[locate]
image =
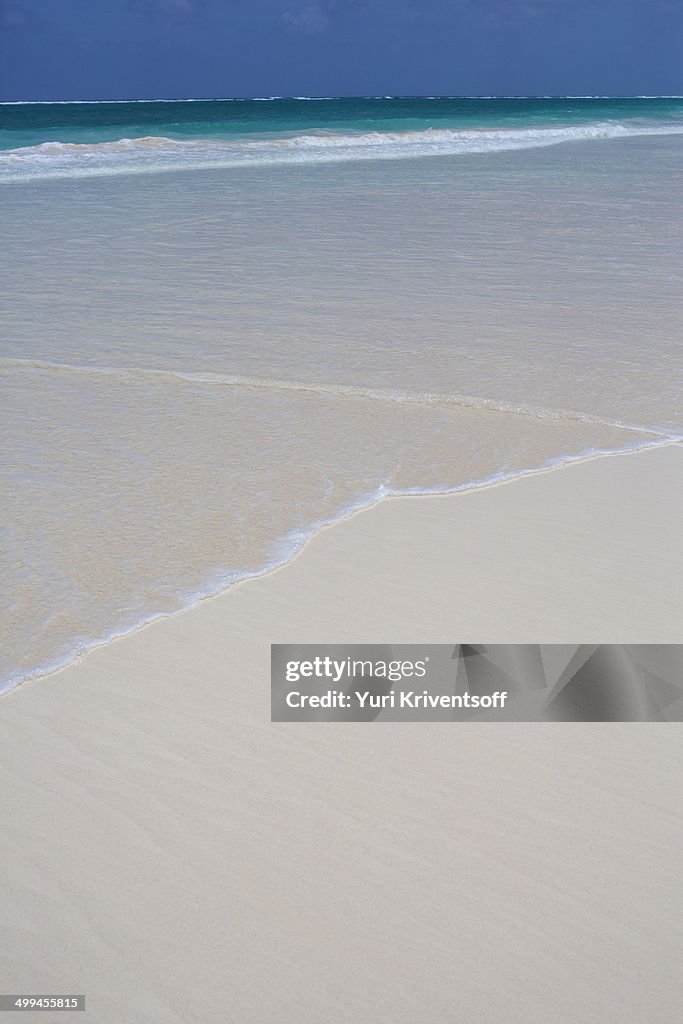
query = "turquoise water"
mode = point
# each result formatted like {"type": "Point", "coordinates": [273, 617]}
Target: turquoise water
{"type": "Point", "coordinates": [39, 140]}
{"type": "Point", "coordinates": [29, 124]}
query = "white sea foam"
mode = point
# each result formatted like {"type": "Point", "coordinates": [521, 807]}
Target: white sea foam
{"type": "Point", "coordinates": [153, 154]}
{"type": "Point", "coordinates": [287, 547]}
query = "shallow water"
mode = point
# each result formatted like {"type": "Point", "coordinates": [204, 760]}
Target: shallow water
{"type": "Point", "coordinates": [201, 367]}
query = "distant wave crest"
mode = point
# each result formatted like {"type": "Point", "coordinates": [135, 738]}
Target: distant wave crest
{"type": "Point", "coordinates": [153, 154]}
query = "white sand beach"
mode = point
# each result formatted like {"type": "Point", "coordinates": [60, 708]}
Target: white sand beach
{"type": "Point", "coordinates": [178, 858]}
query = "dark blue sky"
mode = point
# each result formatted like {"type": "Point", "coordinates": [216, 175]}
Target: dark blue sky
{"type": "Point", "coordinates": [107, 49]}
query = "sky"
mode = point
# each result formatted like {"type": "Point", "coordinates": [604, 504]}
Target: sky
{"type": "Point", "coordinates": [135, 49]}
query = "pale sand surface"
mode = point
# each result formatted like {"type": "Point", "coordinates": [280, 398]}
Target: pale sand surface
{"type": "Point", "coordinates": [178, 858]}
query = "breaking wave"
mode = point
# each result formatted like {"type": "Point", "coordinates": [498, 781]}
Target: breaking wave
{"type": "Point", "coordinates": [153, 154]}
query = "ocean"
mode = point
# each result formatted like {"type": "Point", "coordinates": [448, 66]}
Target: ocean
{"type": "Point", "coordinates": [48, 140]}
{"type": "Point", "coordinates": [227, 323]}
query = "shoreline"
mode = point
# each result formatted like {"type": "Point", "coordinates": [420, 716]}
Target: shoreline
{"type": "Point", "coordinates": [169, 840]}
{"type": "Point", "coordinates": [317, 529]}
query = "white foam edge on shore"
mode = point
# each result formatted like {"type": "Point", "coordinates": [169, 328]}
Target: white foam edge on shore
{"type": "Point", "coordinates": [287, 548]}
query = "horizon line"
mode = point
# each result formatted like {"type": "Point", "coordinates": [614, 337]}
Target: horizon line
{"type": "Point", "coordinates": [397, 96]}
